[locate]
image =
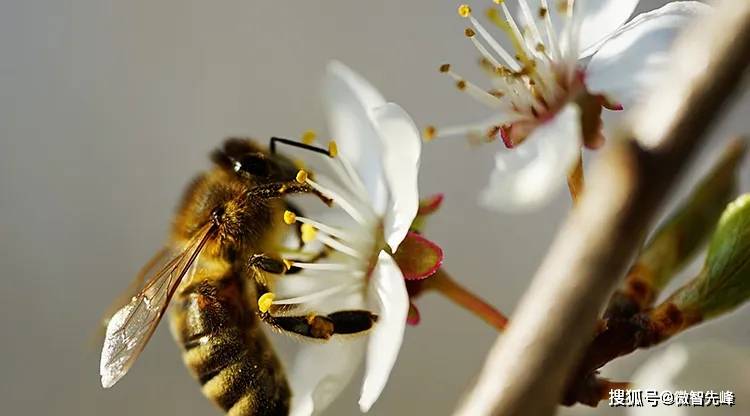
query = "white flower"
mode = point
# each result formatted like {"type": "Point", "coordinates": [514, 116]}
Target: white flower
{"type": "Point", "coordinates": [374, 188]}
{"type": "Point", "coordinates": [700, 367]}
{"type": "Point", "coordinates": [569, 62]}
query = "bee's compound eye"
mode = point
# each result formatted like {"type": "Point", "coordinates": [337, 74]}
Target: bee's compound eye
{"type": "Point", "coordinates": [253, 164]}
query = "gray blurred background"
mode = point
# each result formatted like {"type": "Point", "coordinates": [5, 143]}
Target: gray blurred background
{"type": "Point", "coordinates": [107, 110]}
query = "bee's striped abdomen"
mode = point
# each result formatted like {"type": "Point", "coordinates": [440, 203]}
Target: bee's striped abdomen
{"type": "Point", "coordinates": [227, 351]}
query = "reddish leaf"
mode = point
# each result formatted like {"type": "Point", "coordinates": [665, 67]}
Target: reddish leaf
{"type": "Point", "coordinates": [418, 257]}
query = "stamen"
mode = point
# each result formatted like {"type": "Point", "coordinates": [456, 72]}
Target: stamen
{"type": "Point", "coordinates": [287, 263]}
{"type": "Point", "coordinates": [301, 176]}
{"type": "Point", "coordinates": [339, 246]}
{"type": "Point", "coordinates": [464, 10]}
{"type": "Point", "coordinates": [333, 149]}
{"type": "Point", "coordinates": [308, 137]}
{"type": "Point", "coordinates": [533, 29]}
{"type": "Point", "coordinates": [265, 302]}
{"type": "Point", "coordinates": [470, 33]}
{"type": "Point", "coordinates": [308, 233]}
{"type": "Point", "coordinates": [550, 30]}
{"type": "Point", "coordinates": [331, 267]}
{"type": "Point", "coordinates": [316, 295]}
{"type": "Point", "coordinates": [289, 217]}
{"type": "Point", "coordinates": [496, 47]}
{"type": "Point", "coordinates": [338, 199]}
{"type": "Point", "coordinates": [429, 133]}
{"type": "Point", "coordinates": [475, 92]}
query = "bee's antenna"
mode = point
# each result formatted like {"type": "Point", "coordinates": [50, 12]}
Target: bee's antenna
{"type": "Point", "coordinates": [294, 143]}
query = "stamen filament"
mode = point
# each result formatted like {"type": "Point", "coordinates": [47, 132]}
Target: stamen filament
{"type": "Point", "coordinates": [339, 246]}
{"type": "Point", "coordinates": [339, 200]}
{"type": "Point", "coordinates": [316, 295]}
{"type": "Point", "coordinates": [336, 232]}
{"type": "Point", "coordinates": [507, 57]}
{"type": "Point", "coordinates": [331, 267]}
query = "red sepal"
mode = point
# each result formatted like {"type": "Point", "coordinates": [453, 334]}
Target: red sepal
{"type": "Point", "coordinates": [418, 257]}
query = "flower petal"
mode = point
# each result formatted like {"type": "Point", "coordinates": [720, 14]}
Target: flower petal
{"type": "Point", "coordinates": [321, 372]}
{"type": "Point", "coordinates": [389, 290]}
{"type": "Point", "coordinates": [350, 101]}
{"type": "Point", "coordinates": [418, 257]}
{"type": "Point", "coordinates": [528, 175]}
{"type": "Point", "coordinates": [630, 62]}
{"type": "Point", "coordinates": [601, 18]}
{"type": "Point", "coordinates": [401, 150]}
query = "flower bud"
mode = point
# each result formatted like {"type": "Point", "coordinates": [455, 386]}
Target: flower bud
{"type": "Point", "coordinates": [675, 243]}
{"type": "Point", "coordinates": [724, 282]}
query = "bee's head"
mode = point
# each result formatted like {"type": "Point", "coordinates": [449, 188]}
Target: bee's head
{"type": "Point", "coordinates": [251, 163]}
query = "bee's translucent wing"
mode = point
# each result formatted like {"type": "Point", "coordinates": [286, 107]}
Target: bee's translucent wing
{"type": "Point", "coordinates": [155, 264]}
{"type": "Point", "coordinates": [131, 327]}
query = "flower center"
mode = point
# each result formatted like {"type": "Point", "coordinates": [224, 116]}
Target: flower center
{"type": "Point", "coordinates": [531, 82]}
{"type": "Point", "coordinates": [350, 251]}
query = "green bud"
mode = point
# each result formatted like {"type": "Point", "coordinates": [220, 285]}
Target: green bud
{"type": "Point", "coordinates": [724, 282]}
{"type": "Point", "coordinates": [676, 242]}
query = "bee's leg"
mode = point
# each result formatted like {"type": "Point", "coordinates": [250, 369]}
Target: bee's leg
{"type": "Point", "coordinates": [259, 263]}
{"type": "Point", "coordinates": [280, 190]}
{"type": "Point", "coordinates": [323, 326]}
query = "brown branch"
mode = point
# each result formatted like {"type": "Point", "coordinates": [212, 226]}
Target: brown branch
{"type": "Point", "coordinates": [528, 366]}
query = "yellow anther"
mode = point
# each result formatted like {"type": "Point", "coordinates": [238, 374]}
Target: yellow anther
{"type": "Point", "coordinates": [290, 217]}
{"type": "Point", "coordinates": [265, 302]}
{"type": "Point", "coordinates": [429, 133]}
{"type": "Point", "coordinates": [461, 84]}
{"type": "Point", "coordinates": [464, 10]}
{"type": "Point", "coordinates": [469, 32]}
{"type": "Point", "coordinates": [445, 68]}
{"type": "Point", "coordinates": [333, 148]}
{"type": "Point", "coordinates": [301, 176]}
{"type": "Point", "coordinates": [499, 1]}
{"type": "Point", "coordinates": [308, 233]}
{"type": "Point", "coordinates": [287, 263]}
{"type": "Point", "coordinates": [308, 137]}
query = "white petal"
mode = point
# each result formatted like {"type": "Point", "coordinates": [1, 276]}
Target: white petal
{"type": "Point", "coordinates": [402, 146]}
{"type": "Point", "coordinates": [321, 372]}
{"type": "Point", "coordinates": [630, 62]}
{"type": "Point", "coordinates": [389, 290]}
{"type": "Point", "coordinates": [698, 367]}
{"type": "Point", "coordinates": [529, 175]}
{"type": "Point", "coordinates": [601, 18]}
{"type": "Point", "coordinates": [350, 101]}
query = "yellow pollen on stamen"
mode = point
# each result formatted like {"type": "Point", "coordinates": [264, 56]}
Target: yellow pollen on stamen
{"type": "Point", "coordinates": [461, 84]}
{"type": "Point", "coordinates": [464, 10]}
{"type": "Point", "coordinates": [301, 176]}
{"type": "Point", "coordinates": [308, 137]}
{"type": "Point", "coordinates": [287, 263]}
{"type": "Point", "coordinates": [333, 148]}
{"type": "Point", "coordinates": [498, 1]}
{"type": "Point", "coordinates": [265, 302]}
{"type": "Point", "coordinates": [429, 133]}
{"type": "Point", "coordinates": [308, 233]}
{"type": "Point", "coordinates": [290, 217]}
{"type": "Point", "coordinates": [445, 68]}
{"type": "Point", "coordinates": [469, 32]}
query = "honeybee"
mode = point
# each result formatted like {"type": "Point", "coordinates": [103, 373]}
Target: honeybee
{"type": "Point", "coordinates": [226, 238]}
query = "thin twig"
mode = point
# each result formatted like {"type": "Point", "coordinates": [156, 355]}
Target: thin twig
{"type": "Point", "coordinates": [528, 366]}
